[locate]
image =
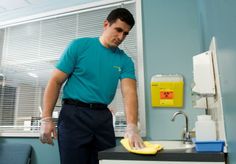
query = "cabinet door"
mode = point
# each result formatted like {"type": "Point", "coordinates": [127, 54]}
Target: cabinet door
{"type": "Point", "coordinates": [153, 162]}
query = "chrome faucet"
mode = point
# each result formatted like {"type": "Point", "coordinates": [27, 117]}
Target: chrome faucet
{"type": "Point", "coordinates": [186, 134]}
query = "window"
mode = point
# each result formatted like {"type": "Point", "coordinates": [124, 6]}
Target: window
{"type": "Point", "coordinates": [28, 53]}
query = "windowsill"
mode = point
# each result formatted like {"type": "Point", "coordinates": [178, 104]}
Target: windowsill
{"type": "Point", "coordinates": [9, 134]}
{"type": "Point", "coordinates": [36, 134]}
{"type": "Point", "coordinates": [19, 134]}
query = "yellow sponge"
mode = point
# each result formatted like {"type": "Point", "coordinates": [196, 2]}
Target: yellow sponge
{"type": "Point", "coordinates": [148, 149]}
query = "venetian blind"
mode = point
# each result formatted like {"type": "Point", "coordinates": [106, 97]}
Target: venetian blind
{"type": "Point", "coordinates": [29, 53]}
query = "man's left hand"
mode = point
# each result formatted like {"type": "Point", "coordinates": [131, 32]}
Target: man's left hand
{"type": "Point", "coordinates": [132, 134]}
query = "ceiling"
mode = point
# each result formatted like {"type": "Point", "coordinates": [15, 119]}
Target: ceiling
{"type": "Point", "coordinates": [14, 9]}
{"type": "Point", "coordinates": [12, 6]}
{"type": "Point", "coordinates": [9, 5]}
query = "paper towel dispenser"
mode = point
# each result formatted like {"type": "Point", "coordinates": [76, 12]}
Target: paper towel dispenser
{"type": "Point", "coordinates": [203, 74]}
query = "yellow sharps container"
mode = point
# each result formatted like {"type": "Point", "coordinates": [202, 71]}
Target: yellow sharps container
{"type": "Point", "coordinates": [167, 90]}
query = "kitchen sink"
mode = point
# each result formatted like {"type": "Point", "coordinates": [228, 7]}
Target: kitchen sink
{"type": "Point", "coordinates": [173, 145]}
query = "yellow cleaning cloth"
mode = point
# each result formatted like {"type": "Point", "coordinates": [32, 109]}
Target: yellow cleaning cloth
{"type": "Point", "coordinates": [148, 149]}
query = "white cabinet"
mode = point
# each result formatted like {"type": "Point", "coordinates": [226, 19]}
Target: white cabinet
{"type": "Point", "coordinates": [153, 162]}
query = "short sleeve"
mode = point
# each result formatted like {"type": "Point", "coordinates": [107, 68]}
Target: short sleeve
{"type": "Point", "coordinates": [68, 58]}
{"type": "Point", "coordinates": [128, 70]}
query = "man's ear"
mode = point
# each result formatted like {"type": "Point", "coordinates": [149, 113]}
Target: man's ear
{"type": "Point", "coordinates": [105, 24]}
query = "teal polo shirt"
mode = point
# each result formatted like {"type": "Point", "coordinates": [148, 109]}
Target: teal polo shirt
{"type": "Point", "coordinates": [94, 70]}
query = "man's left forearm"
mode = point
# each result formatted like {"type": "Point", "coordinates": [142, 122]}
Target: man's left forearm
{"type": "Point", "coordinates": [129, 92]}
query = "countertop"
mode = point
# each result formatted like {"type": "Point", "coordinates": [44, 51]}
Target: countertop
{"type": "Point", "coordinates": [120, 153]}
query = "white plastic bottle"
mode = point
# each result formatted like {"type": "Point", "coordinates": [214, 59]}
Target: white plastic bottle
{"type": "Point", "coordinates": [205, 128]}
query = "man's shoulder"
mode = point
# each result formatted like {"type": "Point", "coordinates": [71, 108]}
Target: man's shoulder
{"type": "Point", "coordinates": [122, 53]}
{"type": "Point", "coordinates": [124, 56]}
{"type": "Point", "coordinates": [81, 44]}
{"type": "Point", "coordinates": [84, 40]}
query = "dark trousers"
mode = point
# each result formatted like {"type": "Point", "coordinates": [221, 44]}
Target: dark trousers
{"type": "Point", "coordinates": [82, 132]}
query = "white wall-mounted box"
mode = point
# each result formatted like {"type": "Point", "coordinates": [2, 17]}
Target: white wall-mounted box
{"type": "Point", "coordinates": [203, 74]}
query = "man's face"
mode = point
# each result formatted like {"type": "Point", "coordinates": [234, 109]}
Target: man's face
{"type": "Point", "coordinates": [115, 33]}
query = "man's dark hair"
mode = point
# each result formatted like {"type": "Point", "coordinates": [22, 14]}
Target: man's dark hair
{"type": "Point", "coordinates": [122, 14]}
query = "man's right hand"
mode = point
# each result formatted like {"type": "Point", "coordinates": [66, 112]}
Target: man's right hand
{"type": "Point", "coordinates": [46, 130]}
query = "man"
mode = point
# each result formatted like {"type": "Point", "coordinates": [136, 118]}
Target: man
{"type": "Point", "coordinates": [92, 68]}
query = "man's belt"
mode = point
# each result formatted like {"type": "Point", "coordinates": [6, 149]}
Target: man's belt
{"type": "Point", "coordinates": [83, 104]}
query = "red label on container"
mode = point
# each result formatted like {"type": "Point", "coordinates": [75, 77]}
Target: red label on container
{"type": "Point", "coordinates": [166, 95]}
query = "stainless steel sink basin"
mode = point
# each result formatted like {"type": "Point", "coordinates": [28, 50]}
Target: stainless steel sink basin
{"type": "Point", "coordinates": [169, 145]}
